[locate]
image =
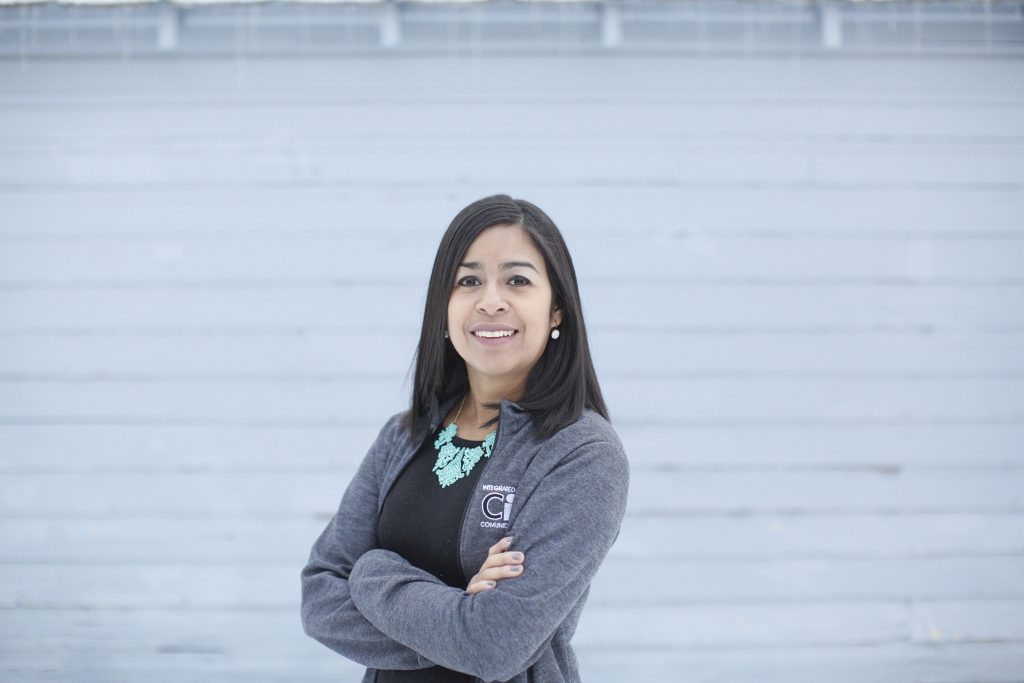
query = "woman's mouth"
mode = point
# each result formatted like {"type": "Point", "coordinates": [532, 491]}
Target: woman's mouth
{"type": "Point", "coordinates": [494, 338]}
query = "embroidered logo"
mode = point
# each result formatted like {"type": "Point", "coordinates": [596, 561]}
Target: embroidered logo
{"type": "Point", "coordinates": [497, 505]}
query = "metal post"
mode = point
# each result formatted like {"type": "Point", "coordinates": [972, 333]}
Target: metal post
{"type": "Point", "coordinates": [830, 17]}
{"type": "Point", "coordinates": [169, 27]}
{"type": "Point", "coordinates": [611, 24]}
{"type": "Point", "coordinates": [390, 25]}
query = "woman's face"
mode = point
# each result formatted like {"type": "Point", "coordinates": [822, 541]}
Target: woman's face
{"type": "Point", "coordinates": [501, 286]}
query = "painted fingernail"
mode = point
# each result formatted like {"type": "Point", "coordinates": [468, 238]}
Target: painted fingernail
{"type": "Point", "coordinates": [517, 556]}
{"type": "Point", "coordinates": [492, 584]}
{"type": "Point", "coordinates": [516, 568]}
{"type": "Point", "coordinates": [508, 539]}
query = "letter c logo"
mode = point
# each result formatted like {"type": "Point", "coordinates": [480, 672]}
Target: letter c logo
{"type": "Point", "coordinates": [486, 504]}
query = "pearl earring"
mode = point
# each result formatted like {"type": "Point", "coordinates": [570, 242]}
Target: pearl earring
{"type": "Point", "coordinates": [554, 333]}
{"type": "Point", "coordinates": [446, 334]}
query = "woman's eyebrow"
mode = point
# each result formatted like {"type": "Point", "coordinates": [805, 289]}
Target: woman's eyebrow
{"type": "Point", "coordinates": [474, 265]}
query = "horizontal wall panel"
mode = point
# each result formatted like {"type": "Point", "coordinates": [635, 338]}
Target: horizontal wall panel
{"type": "Point", "coordinates": [651, 493]}
{"type": "Point", "coordinates": [241, 217]}
{"type": "Point", "coordinates": [365, 305]}
{"type": "Point", "coordinates": [129, 633]}
{"type": "Point", "coordinates": [687, 353]}
{"type": "Point", "coordinates": [703, 257]}
{"type": "Point", "coordinates": [883, 446]}
{"type": "Point", "coordinates": [667, 400]}
{"type": "Point", "coordinates": [579, 98]}
{"type": "Point", "coordinates": [658, 161]}
{"type": "Point", "coordinates": [759, 538]}
{"type": "Point", "coordinates": [284, 658]}
{"type": "Point", "coordinates": [870, 661]}
{"type": "Point", "coordinates": [676, 582]}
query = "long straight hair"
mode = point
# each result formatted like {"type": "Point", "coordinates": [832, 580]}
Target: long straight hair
{"type": "Point", "coordinates": [562, 382]}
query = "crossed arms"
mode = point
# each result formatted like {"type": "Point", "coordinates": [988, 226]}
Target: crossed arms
{"type": "Point", "coordinates": [377, 609]}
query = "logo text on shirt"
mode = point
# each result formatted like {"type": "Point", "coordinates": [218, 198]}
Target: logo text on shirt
{"type": "Point", "coordinates": [497, 505]}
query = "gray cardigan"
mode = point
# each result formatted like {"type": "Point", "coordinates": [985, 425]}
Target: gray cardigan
{"type": "Point", "coordinates": [563, 500]}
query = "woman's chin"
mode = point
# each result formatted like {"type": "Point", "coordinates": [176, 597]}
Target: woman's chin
{"type": "Point", "coordinates": [485, 370]}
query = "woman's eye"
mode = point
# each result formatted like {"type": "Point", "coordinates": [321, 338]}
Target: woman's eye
{"type": "Point", "coordinates": [516, 281]}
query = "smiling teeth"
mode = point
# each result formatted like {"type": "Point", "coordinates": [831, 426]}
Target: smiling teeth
{"type": "Point", "coordinates": [499, 333]}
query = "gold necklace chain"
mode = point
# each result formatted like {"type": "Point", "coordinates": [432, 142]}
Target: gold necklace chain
{"type": "Point", "coordinates": [456, 418]}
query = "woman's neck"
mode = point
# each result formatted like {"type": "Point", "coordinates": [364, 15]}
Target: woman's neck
{"type": "Point", "coordinates": [474, 415]}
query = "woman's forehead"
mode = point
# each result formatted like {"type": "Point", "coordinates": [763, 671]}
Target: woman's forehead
{"type": "Point", "coordinates": [500, 244]}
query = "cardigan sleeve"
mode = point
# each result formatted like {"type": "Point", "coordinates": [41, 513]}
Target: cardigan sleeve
{"type": "Point", "coordinates": [328, 613]}
{"type": "Point", "coordinates": [565, 529]}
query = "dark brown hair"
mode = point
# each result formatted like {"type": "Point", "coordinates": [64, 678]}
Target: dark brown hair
{"type": "Point", "coordinates": [562, 382]}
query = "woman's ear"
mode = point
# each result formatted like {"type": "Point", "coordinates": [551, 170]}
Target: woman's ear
{"type": "Point", "coordinates": [556, 317]}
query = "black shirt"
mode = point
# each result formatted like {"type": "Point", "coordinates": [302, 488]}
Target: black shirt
{"type": "Point", "coordinates": [420, 521]}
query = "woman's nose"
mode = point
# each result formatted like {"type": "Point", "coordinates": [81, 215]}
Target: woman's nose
{"type": "Point", "coordinates": [491, 299]}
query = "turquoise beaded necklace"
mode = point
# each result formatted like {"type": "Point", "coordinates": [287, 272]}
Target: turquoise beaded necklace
{"type": "Point", "coordinates": [455, 462]}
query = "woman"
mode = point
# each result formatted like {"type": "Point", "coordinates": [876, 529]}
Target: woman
{"type": "Point", "coordinates": [504, 469]}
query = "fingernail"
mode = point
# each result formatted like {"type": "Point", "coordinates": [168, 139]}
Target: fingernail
{"type": "Point", "coordinates": [492, 584]}
{"type": "Point", "coordinates": [508, 539]}
{"type": "Point", "coordinates": [517, 556]}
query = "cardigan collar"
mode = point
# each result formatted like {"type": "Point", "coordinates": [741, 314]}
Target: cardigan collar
{"type": "Point", "coordinates": [510, 414]}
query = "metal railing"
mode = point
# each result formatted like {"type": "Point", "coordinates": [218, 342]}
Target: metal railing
{"type": "Point", "coordinates": [148, 28]}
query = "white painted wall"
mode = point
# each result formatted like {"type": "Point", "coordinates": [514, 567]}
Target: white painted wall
{"type": "Point", "coordinates": [802, 279]}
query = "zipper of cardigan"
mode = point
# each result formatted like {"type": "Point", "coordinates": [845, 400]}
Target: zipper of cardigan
{"type": "Point", "coordinates": [469, 501]}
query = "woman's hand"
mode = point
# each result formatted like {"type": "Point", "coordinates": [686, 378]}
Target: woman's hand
{"type": "Point", "coordinates": [500, 564]}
